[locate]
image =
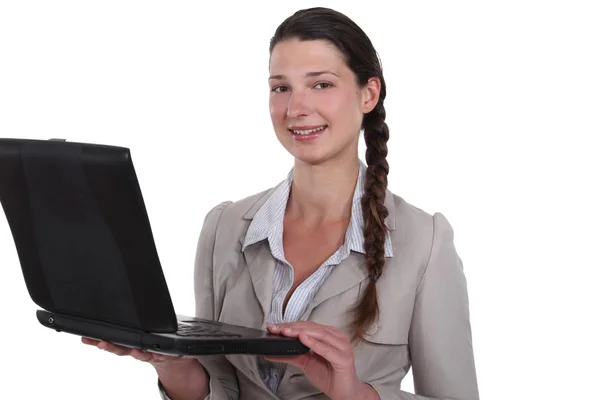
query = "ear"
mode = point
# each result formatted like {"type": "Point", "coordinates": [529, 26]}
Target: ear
{"type": "Point", "coordinates": [370, 94]}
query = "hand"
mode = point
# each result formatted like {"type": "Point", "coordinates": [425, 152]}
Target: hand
{"type": "Point", "coordinates": [182, 377]}
{"type": "Point", "coordinates": [329, 366]}
{"type": "Point", "coordinates": [156, 360]}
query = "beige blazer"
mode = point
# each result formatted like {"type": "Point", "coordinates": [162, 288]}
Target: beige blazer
{"type": "Point", "coordinates": [424, 320]}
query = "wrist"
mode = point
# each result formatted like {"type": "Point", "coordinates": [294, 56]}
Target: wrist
{"type": "Point", "coordinates": [367, 392]}
{"type": "Point", "coordinates": [184, 381]}
{"type": "Point", "coordinates": [361, 391]}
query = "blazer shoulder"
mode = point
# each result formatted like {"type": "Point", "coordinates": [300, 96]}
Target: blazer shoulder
{"type": "Point", "coordinates": [417, 229]}
{"type": "Point", "coordinates": [239, 209]}
{"type": "Point", "coordinates": [418, 233]}
{"type": "Point", "coordinates": [411, 218]}
{"type": "Point", "coordinates": [417, 220]}
{"type": "Point", "coordinates": [233, 217]}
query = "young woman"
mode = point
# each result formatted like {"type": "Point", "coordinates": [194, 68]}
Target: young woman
{"type": "Point", "coordinates": [371, 284]}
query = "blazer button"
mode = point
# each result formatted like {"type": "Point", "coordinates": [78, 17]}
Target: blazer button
{"type": "Point", "coordinates": [372, 329]}
{"type": "Point", "coordinates": [296, 378]}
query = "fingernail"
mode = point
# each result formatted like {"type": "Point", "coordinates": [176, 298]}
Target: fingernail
{"type": "Point", "coordinates": [288, 330]}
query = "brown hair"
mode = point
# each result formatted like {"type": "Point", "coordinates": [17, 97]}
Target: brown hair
{"type": "Point", "coordinates": [325, 24]}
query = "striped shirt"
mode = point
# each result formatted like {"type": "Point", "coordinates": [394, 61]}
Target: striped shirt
{"type": "Point", "coordinates": [267, 224]}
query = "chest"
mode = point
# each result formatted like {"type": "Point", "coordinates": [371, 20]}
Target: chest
{"type": "Point", "coordinates": [307, 248]}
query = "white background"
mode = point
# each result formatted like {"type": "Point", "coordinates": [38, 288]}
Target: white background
{"type": "Point", "coordinates": [494, 115]}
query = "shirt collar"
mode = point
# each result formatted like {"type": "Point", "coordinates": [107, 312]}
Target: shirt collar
{"type": "Point", "coordinates": [268, 221]}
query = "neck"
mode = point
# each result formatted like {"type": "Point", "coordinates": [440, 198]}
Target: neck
{"type": "Point", "coordinates": [322, 194]}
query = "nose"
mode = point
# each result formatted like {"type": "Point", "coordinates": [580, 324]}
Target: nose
{"type": "Point", "coordinates": [297, 105]}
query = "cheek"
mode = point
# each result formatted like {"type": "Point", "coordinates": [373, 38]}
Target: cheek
{"type": "Point", "coordinates": [343, 109]}
{"type": "Point", "coordinates": [277, 108]}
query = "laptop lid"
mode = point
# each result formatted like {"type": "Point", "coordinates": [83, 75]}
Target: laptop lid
{"type": "Point", "coordinates": [82, 233]}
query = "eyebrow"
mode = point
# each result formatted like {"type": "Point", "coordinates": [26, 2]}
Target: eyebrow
{"type": "Point", "coordinates": [308, 75]}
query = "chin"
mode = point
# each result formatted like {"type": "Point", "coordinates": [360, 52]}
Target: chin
{"type": "Point", "coordinates": [316, 153]}
{"type": "Point", "coordinates": [313, 157]}
{"type": "Point", "coordinates": [310, 161]}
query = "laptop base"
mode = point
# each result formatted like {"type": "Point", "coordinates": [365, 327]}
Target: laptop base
{"type": "Point", "coordinates": [237, 340]}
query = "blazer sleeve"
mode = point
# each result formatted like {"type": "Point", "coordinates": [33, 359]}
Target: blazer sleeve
{"type": "Point", "coordinates": [223, 383]}
{"type": "Point", "coordinates": [440, 340]}
{"type": "Point", "coordinates": [165, 396]}
{"type": "Point", "coordinates": [222, 375]}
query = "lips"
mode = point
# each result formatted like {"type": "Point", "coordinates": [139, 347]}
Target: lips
{"type": "Point", "coordinates": [307, 130]}
{"type": "Point", "coordinates": [307, 135]}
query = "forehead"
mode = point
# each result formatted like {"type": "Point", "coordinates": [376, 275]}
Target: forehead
{"type": "Point", "coordinates": [294, 55]}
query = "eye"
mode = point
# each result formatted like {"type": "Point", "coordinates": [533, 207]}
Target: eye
{"type": "Point", "coordinates": [279, 89]}
{"type": "Point", "coordinates": [323, 85]}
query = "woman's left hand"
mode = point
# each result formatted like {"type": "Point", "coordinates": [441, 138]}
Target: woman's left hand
{"type": "Point", "coordinates": [329, 366]}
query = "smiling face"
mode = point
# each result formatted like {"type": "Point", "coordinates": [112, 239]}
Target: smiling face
{"type": "Point", "coordinates": [315, 102]}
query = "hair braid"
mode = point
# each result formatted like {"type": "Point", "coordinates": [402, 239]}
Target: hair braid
{"type": "Point", "coordinates": [374, 214]}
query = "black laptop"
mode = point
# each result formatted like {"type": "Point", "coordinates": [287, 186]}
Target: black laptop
{"type": "Point", "coordinates": [89, 259]}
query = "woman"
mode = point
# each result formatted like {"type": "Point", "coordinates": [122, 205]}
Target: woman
{"type": "Point", "coordinates": [370, 283]}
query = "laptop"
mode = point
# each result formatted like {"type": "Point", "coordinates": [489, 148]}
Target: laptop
{"type": "Point", "coordinates": [87, 253]}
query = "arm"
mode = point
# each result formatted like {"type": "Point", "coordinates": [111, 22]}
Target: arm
{"type": "Point", "coordinates": [186, 383]}
{"type": "Point", "coordinates": [222, 376]}
{"type": "Point", "coordinates": [440, 335]}
{"type": "Point", "coordinates": [220, 373]}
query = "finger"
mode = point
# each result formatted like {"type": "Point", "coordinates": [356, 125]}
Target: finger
{"type": "Point", "coordinates": [163, 357]}
{"type": "Point", "coordinates": [118, 350]}
{"type": "Point", "coordinates": [297, 324]}
{"type": "Point", "coordinates": [141, 355]}
{"type": "Point", "coordinates": [334, 350]}
{"type": "Point", "coordinates": [302, 325]}
{"type": "Point", "coordinates": [274, 328]}
{"type": "Point", "coordinates": [160, 357]}
{"type": "Point", "coordinates": [89, 342]}
{"type": "Point", "coordinates": [334, 337]}
{"type": "Point", "coordinates": [336, 357]}
{"type": "Point", "coordinates": [287, 328]}
{"type": "Point", "coordinates": [336, 332]}
{"type": "Point", "coordinates": [341, 344]}
{"type": "Point", "coordinates": [277, 328]}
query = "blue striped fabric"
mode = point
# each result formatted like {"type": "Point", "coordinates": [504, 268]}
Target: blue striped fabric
{"type": "Point", "coordinates": [267, 224]}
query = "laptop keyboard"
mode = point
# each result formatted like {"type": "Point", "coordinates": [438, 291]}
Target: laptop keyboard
{"type": "Point", "coordinates": [198, 330]}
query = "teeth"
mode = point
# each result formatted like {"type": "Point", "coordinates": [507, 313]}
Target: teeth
{"type": "Point", "coordinates": [308, 131]}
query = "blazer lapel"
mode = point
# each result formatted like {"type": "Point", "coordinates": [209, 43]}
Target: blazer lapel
{"type": "Point", "coordinates": [261, 266]}
{"type": "Point", "coordinates": [344, 276]}
{"type": "Point", "coordinates": [260, 262]}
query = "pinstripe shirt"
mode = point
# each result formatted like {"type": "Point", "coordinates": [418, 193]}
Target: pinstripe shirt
{"type": "Point", "coordinates": [267, 224]}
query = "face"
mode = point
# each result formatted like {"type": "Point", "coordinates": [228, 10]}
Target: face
{"type": "Point", "coordinates": [315, 102]}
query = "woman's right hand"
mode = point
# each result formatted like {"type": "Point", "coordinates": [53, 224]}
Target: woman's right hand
{"type": "Point", "coordinates": [182, 377]}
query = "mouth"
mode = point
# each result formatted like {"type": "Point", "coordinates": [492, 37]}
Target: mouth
{"type": "Point", "coordinates": [306, 131]}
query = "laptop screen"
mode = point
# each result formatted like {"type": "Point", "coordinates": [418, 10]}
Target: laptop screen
{"type": "Point", "coordinates": [82, 233]}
